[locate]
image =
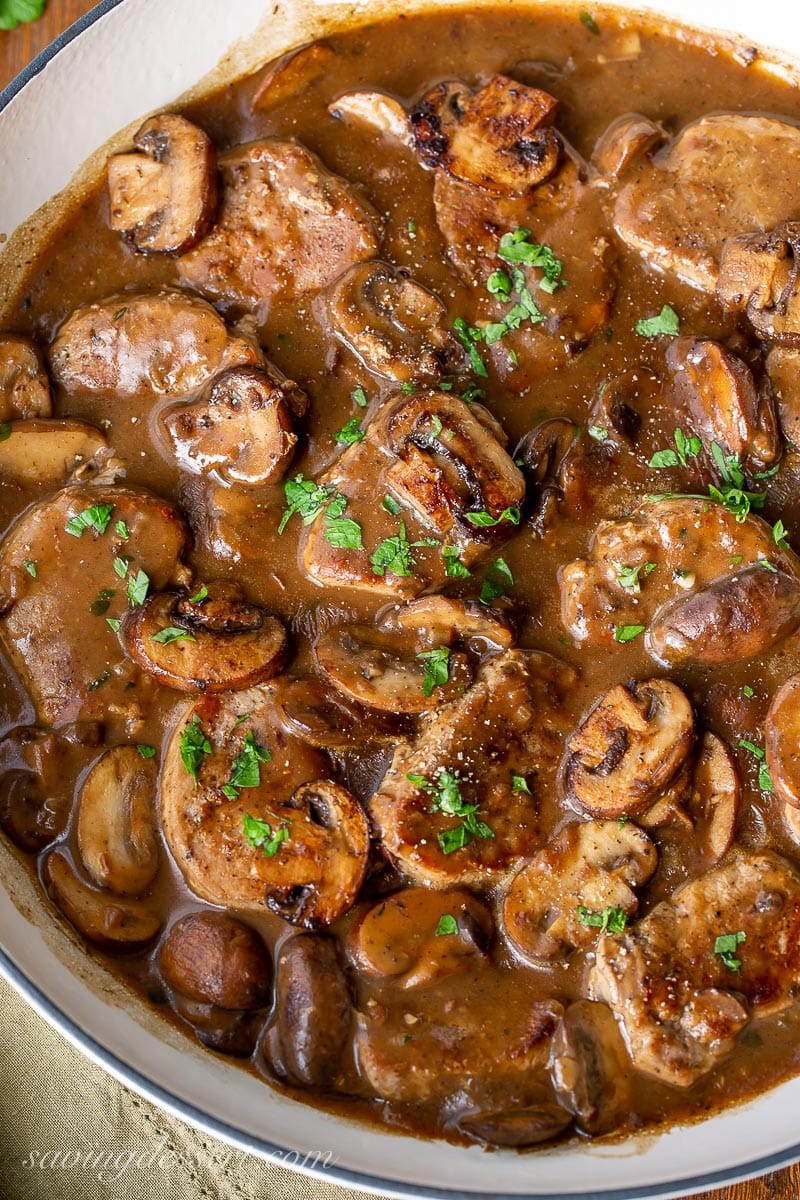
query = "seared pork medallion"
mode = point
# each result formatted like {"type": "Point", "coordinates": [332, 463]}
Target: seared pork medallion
{"type": "Point", "coordinates": [400, 575]}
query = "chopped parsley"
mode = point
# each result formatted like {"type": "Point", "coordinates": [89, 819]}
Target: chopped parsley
{"type": "Point", "coordinates": [14, 11]}
{"type": "Point", "coordinates": [598, 432]}
{"type": "Point", "coordinates": [497, 582]}
{"type": "Point", "coordinates": [453, 566]}
{"type": "Point", "coordinates": [684, 448]}
{"type": "Point", "coordinates": [5, 431]}
{"type": "Point", "coordinates": [100, 605]}
{"type": "Point", "coordinates": [726, 945]}
{"type": "Point", "coordinates": [520, 784]}
{"type": "Point", "coordinates": [394, 554]}
{"type": "Point", "coordinates": [305, 497]}
{"type": "Point", "coordinates": [101, 679]}
{"type": "Point", "coordinates": [485, 520]}
{"type": "Point", "coordinates": [588, 20]}
{"type": "Point", "coordinates": [468, 335]}
{"type": "Point", "coordinates": [779, 535]}
{"type": "Point", "coordinates": [246, 767]}
{"type": "Point", "coordinates": [121, 565]}
{"type": "Point", "coordinates": [350, 433]}
{"type": "Point", "coordinates": [731, 493]}
{"type": "Point", "coordinates": [113, 623]}
{"type": "Point", "coordinates": [194, 745]}
{"type": "Point", "coordinates": [437, 668]}
{"type": "Point", "coordinates": [666, 324]}
{"type": "Point", "coordinates": [447, 799]}
{"type": "Point", "coordinates": [259, 835]}
{"type": "Point", "coordinates": [31, 567]}
{"type": "Point", "coordinates": [390, 505]}
{"type": "Point", "coordinates": [447, 926]}
{"type": "Point", "coordinates": [172, 633]}
{"type": "Point", "coordinates": [627, 633]}
{"type": "Point", "coordinates": [137, 588]}
{"type": "Point", "coordinates": [341, 532]}
{"type": "Point", "coordinates": [628, 577]}
{"type": "Point", "coordinates": [517, 248]}
{"type": "Point", "coordinates": [359, 396]}
{"type": "Point", "coordinates": [121, 529]}
{"type": "Point", "coordinates": [97, 517]}
{"type": "Point", "coordinates": [748, 691]}
{"type": "Point", "coordinates": [146, 751]}
{"type": "Point", "coordinates": [610, 920]}
{"type": "Point", "coordinates": [764, 777]}
{"type": "Point", "coordinates": [199, 596]}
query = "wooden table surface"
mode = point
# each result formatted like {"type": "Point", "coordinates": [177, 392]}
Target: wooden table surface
{"type": "Point", "coordinates": [16, 49]}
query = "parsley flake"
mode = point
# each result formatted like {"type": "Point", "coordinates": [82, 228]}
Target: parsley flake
{"type": "Point", "coordinates": [628, 577]}
{"type": "Point", "coordinates": [588, 20]}
{"type": "Point", "coordinates": [100, 606]}
{"type": "Point", "coordinates": [516, 247]}
{"type": "Point", "coordinates": [725, 946]}
{"type": "Point", "coordinates": [498, 581]}
{"type": "Point", "coordinates": [453, 566]}
{"type": "Point", "coordinates": [447, 926]}
{"type": "Point", "coordinates": [520, 784]}
{"type": "Point", "coordinates": [447, 799]}
{"type": "Point", "coordinates": [172, 633]}
{"type": "Point", "coordinates": [97, 517]}
{"type": "Point", "coordinates": [359, 396]}
{"type": "Point", "coordinates": [468, 335]}
{"type": "Point", "coordinates": [610, 920]}
{"type": "Point", "coordinates": [137, 588]}
{"type": "Point", "coordinates": [684, 448]}
{"type": "Point", "coordinates": [437, 668]}
{"type": "Point", "coordinates": [343, 533]}
{"type": "Point", "coordinates": [246, 767]}
{"type": "Point", "coordinates": [666, 324]}
{"type": "Point", "coordinates": [194, 745]}
{"type": "Point", "coordinates": [764, 777]}
{"type": "Point", "coordinates": [305, 497]}
{"type": "Point", "coordinates": [31, 567]}
{"type": "Point", "coordinates": [146, 751]}
{"type": "Point", "coordinates": [627, 633]}
{"type": "Point", "coordinates": [259, 835]}
{"type": "Point", "coordinates": [484, 520]}
{"type": "Point", "coordinates": [350, 433]}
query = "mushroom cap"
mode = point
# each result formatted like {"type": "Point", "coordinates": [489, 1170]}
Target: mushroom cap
{"type": "Point", "coordinates": [213, 958]}
{"type": "Point", "coordinates": [313, 1013]}
{"type": "Point", "coordinates": [116, 822]}
{"type": "Point", "coordinates": [110, 921]}
{"type": "Point", "coordinates": [219, 644]}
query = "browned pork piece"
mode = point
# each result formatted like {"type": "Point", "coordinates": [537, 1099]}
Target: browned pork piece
{"type": "Point", "coordinates": [723, 176]}
{"type": "Point", "coordinates": [241, 430]}
{"type": "Point", "coordinates": [680, 994]}
{"type": "Point", "coordinates": [164, 197]}
{"type": "Point", "coordinates": [394, 326]}
{"type": "Point", "coordinates": [584, 871]}
{"type": "Point", "coordinates": [24, 386]}
{"type": "Point", "coordinates": [460, 803]}
{"type": "Point", "coordinates": [760, 276]}
{"type": "Point", "coordinates": [629, 748]}
{"type": "Point", "coordinates": [59, 579]}
{"type": "Point", "coordinates": [287, 226]}
{"type": "Point", "coordinates": [161, 343]}
{"type": "Point", "coordinates": [212, 643]}
{"type": "Point", "coordinates": [696, 583]}
{"type": "Point", "coordinates": [717, 390]}
{"type": "Point", "coordinates": [253, 822]}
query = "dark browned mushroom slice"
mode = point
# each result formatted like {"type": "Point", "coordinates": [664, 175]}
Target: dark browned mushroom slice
{"type": "Point", "coordinates": [673, 207]}
{"type": "Point", "coordinates": [381, 670]}
{"type": "Point", "coordinates": [760, 276]}
{"type": "Point", "coordinates": [499, 138]}
{"type": "Point", "coordinates": [629, 748]}
{"type": "Point", "coordinates": [292, 74]}
{"type": "Point", "coordinates": [678, 1003]}
{"type": "Point", "coordinates": [543, 452]}
{"type": "Point", "coordinates": [782, 741]}
{"type": "Point", "coordinates": [374, 113]}
{"type": "Point", "coordinates": [226, 1030]}
{"type": "Point", "coordinates": [45, 453]}
{"type": "Point", "coordinates": [734, 618]}
{"type": "Point", "coordinates": [518, 1127]}
{"type": "Point", "coordinates": [164, 198]}
{"type": "Point", "coordinates": [417, 936]}
{"type": "Point", "coordinates": [672, 549]}
{"type": "Point", "coordinates": [713, 804]}
{"type": "Point", "coordinates": [35, 766]}
{"type": "Point", "coordinates": [591, 1069]}
{"type": "Point", "coordinates": [240, 431]}
{"type": "Point", "coordinates": [24, 386]}
{"type": "Point", "coordinates": [559, 900]}
{"type": "Point", "coordinates": [287, 226]}
{"type": "Point", "coordinates": [497, 747]}
{"type": "Point", "coordinates": [627, 138]}
{"type": "Point", "coordinates": [252, 821]}
{"type": "Point", "coordinates": [117, 822]}
{"type": "Point", "coordinates": [58, 579]}
{"type": "Point", "coordinates": [449, 467]}
{"type": "Point", "coordinates": [156, 342]}
{"type": "Point", "coordinates": [313, 1015]}
{"type": "Point", "coordinates": [212, 958]}
{"type": "Point", "coordinates": [110, 921]}
{"type": "Point", "coordinates": [438, 620]}
{"type": "Point", "coordinates": [217, 644]}
{"type": "Point", "coordinates": [322, 717]}
{"type": "Point", "coordinates": [717, 389]}
{"type": "Point", "coordinates": [394, 326]}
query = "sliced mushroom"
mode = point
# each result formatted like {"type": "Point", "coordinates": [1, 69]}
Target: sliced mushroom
{"type": "Point", "coordinates": [24, 386]}
{"type": "Point", "coordinates": [519, 1127]}
{"type": "Point", "coordinates": [782, 741]}
{"type": "Point", "coordinates": [438, 620]}
{"type": "Point", "coordinates": [287, 226]}
{"type": "Point", "coordinates": [629, 748]}
{"type": "Point", "coordinates": [760, 276]}
{"type": "Point", "coordinates": [448, 467]}
{"type": "Point", "coordinates": [626, 139]}
{"type": "Point", "coordinates": [417, 936]}
{"type": "Point", "coordinates": [45, 452]}
{"type": "Point", "coordinates": [714, 801]}
{"type": "Point", "coordinates": [107, 920]}
{"type": "Point", "coordinates": [394, 326]}
{"type": "Point", "coordinates": [309, 864]}
{"type": "Point", "coordinates": [733, 618]}
{"type": "Point", "coordinates": [381, 670]}
{"type": "Point", "coordinates": [116, 822]}
{"type": "Point", "coordinates": [544, 451]}
{"type": "Point", "coordinates": [212, 958]}
{"type": "Point", "coordinates": [615, 416]}
{"type": "Point", "coordinates": [591, 1069]}
{"type": "Point", "coordinates": [587, 869]}
{"type": "Point", "coordinates": [154, 343]}
{"type": "Point", "coordinates": [313, 1012]}
{"type": "Point", "coordinates": [241, 431]}
{"type": "Point", "coordinates": [292, 74]}
{"type": "Point", "coordinates": [374, 113]}
{"type": "Point", "coordinates": [724, 405]}
{"type": "Point", "coordinates": [498, 138]}
{"type": "Point", "coordinates": [324, 719]}
{"type": "Point", "coordinates": [38, 769]}
{"type": "Point", "coordinates": [227, 1030]}
{"type": "Point", "coordinates": [164, 198]}
{"type": "Point", "coordinates": [217, 644]}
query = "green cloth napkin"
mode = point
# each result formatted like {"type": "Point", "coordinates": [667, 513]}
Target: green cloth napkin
{"type": "Point", "coordinates": [60, 1115]}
